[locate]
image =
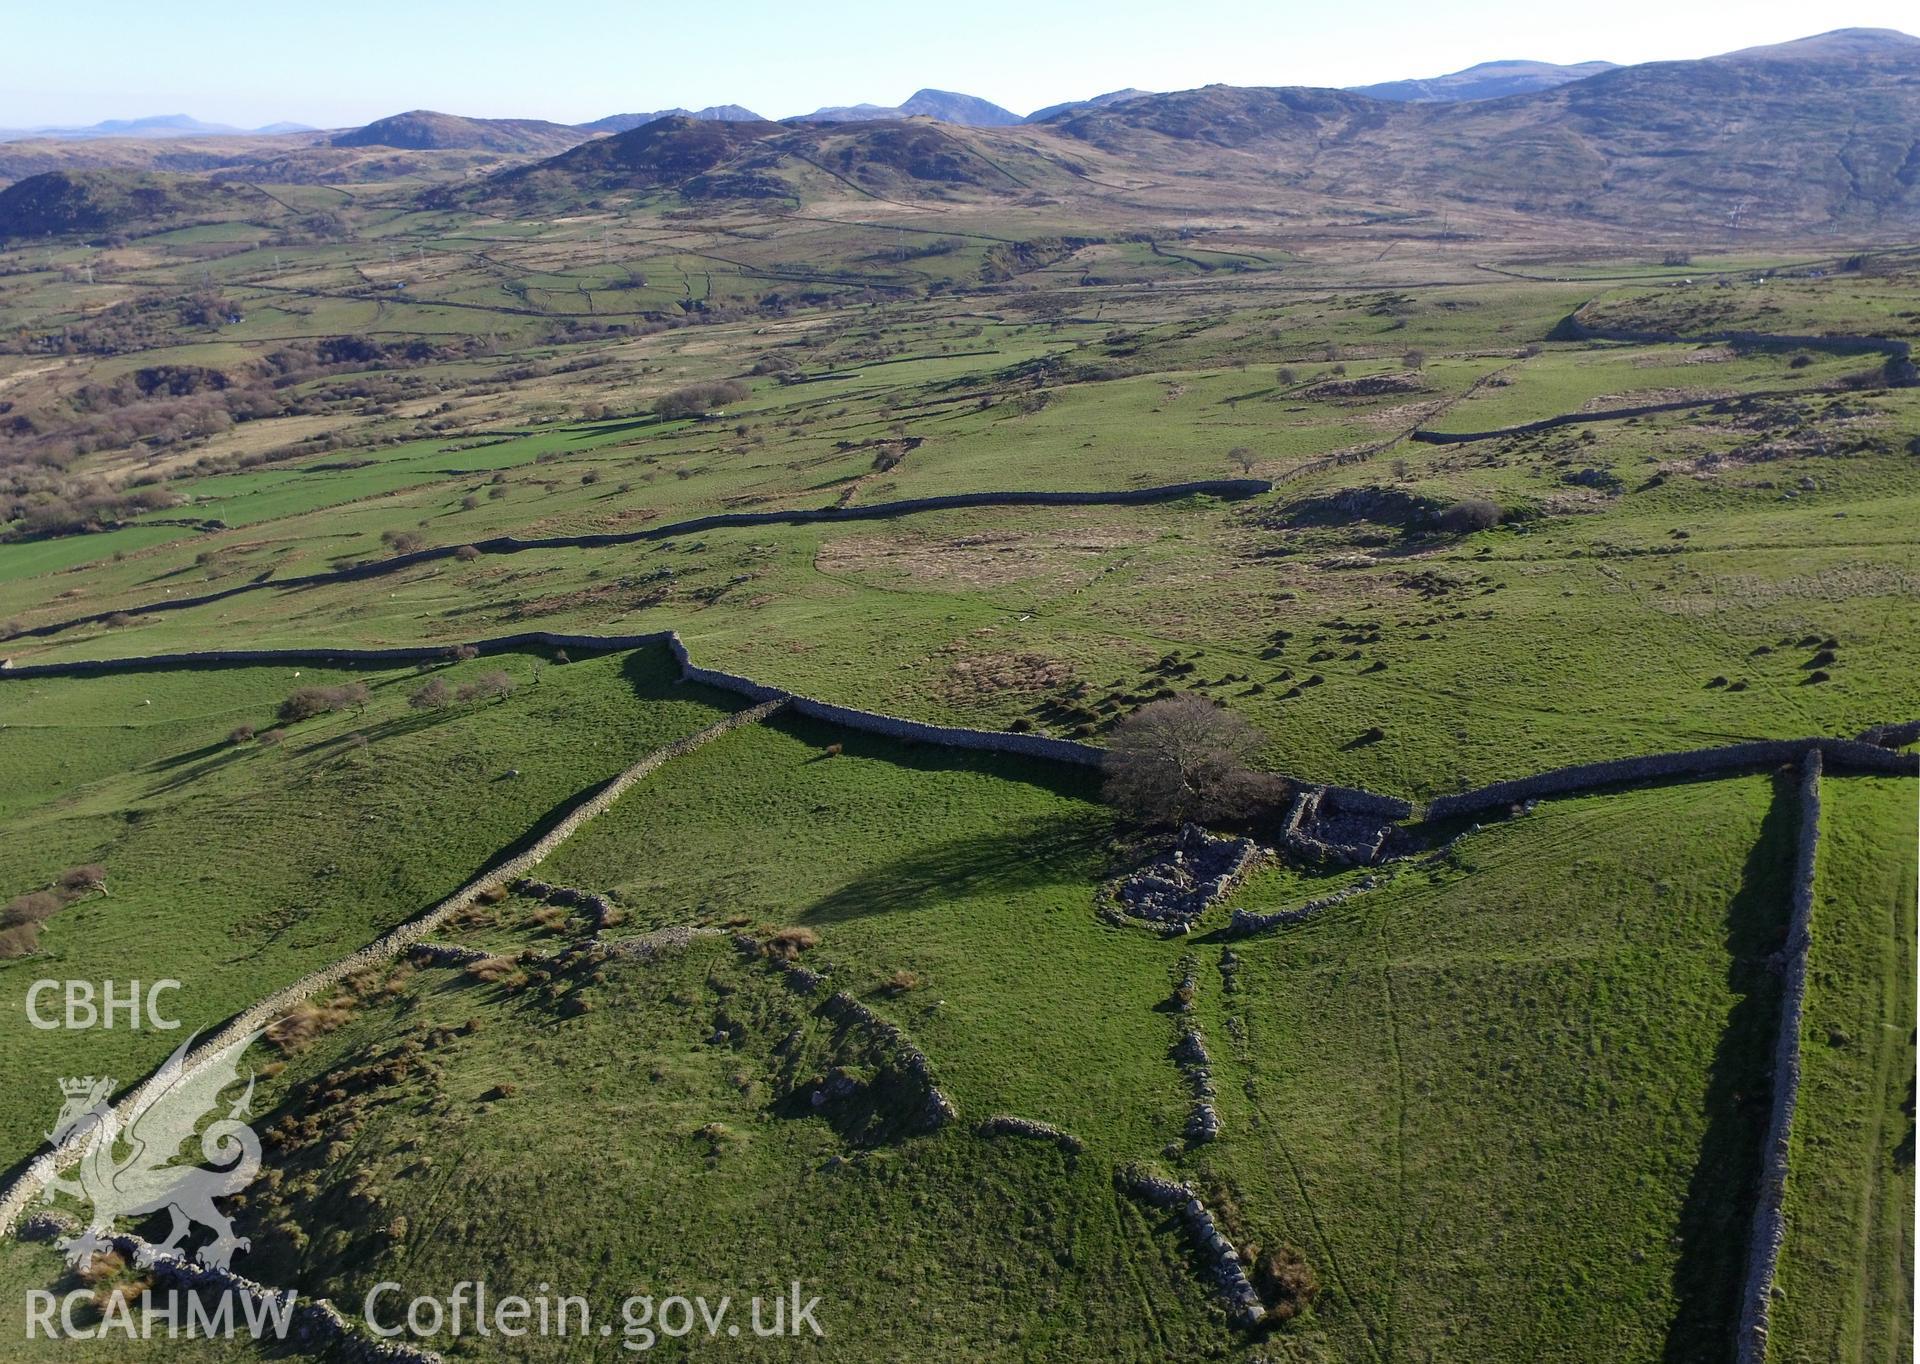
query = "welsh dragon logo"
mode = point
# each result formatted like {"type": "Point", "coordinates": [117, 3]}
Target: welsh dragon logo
{"type": "Point", "coordinates": [128, 1165]}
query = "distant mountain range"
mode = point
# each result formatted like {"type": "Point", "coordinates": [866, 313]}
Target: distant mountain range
{"type": "Point", "coordinates": [945, 105]}
{"type": "Point", "coordinates": [1813, 134]}
{"type": "Point", "coordinates": [154, 125]}
{"type": "Point", "coordinates": [713, 113]}
{"type": "Point", "coordinates": [1488, 80]}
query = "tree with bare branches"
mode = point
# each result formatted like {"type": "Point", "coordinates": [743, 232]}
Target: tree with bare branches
{"type": "Point", "coordinates": [1185, 758]}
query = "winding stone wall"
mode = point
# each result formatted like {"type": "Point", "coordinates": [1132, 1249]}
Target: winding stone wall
{"type": "Point", "coordinates": [378, 953]}
{"type": "Point", "coordinates": [1769, 1216]}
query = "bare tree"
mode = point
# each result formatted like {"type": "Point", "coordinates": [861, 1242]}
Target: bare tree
{"type": "Point", "coordinates": [1182, 759]}
{"type": "Point", "coordinates": [432, 696]}
{"type": "Point", "coordinates": [1243, 458]}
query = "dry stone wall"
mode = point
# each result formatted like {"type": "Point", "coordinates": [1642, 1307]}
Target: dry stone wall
{"type": "Point", "coordinates": [1840, 754]}
{"type": "Point", "coordinates": [1769, 1217]}
{"type": "Point", "coordinates": [1006, 1125]}
{"type": "Point", "coordinates": [513, 544]}
{"type": "Point", "coordinates": [1244, 1307]}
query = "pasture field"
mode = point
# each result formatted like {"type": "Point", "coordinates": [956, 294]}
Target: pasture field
{"type": "Point", "coordinates": [235, 868]}
{"type": "Point", "coordinates": [1504, 1102]}
{"type": "Point", "coordinates": [1644, 986]}
{"type": "Point", "coordinates": [1848, 1261]}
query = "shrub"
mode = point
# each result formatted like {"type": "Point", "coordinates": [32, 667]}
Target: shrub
{"type": "Point", "coordinates": [19, 940]}
{"type": "Point", "coordinates": [432, 696]}
{"type": "Point", "coordinates": [1475, 513]}
{"type": "Point", "coordinates": [403, 541]}
{"type": "Point", "coordinates": [900, 982]}
{"type": "Point", "coordinates": [466, 554]}
{"type": "Point", "coordinates": [1286, 1281]}
{"type": "Point", "coordinates": [35, 907]}
{"type": "Point", "coordinates": [463, 653]}
{"type": "Point", "coordinates": [267, 738]}
{"type": "Point", "coordinates": [789, 943]}
{"type": "Point", "coordinates": [81, 879]}
{"type": "Point", "coordinates": [306, 1020]}
{"type": "Point", "coordinates": [307, 702]}
{"type": "Point", "coordinates": [496, 970]}
{"type": "Point", "coordinates": [489, 686]}
{"type": "Point", "coordinates": [1415, 359]}
{"type": "Point", "coordinates": [241, 734]}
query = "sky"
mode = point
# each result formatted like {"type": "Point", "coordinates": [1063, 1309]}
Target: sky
{"type": "Point", "coordinates": [350, 61]}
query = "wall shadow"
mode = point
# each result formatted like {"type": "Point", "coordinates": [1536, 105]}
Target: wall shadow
{"type": "Point", "coordinates": [1716, 1220]}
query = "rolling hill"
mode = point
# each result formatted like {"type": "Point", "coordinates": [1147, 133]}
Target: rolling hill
{"type": "Point", "coordinates": [426, 130]}
{"type": "Point", "coordinates": [63, 202]}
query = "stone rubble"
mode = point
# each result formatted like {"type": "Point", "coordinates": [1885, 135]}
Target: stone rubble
{"type": "Point", "coordinates": [1244, 1308]}
{"type": "Point", "coordinates": [1177, 886]}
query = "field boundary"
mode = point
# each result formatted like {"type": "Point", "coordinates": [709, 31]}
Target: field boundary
{"type": "Point", "coordinates": [1868, 753]}
{"type": "Point", "coordinates": [382, 950]}
{"type": "Point", "coordinates": [1769, 1214]}
{"type": "Point", "coordinates": [1847, 754]}
{"type": "Point", "coordinates": [1230, 488]}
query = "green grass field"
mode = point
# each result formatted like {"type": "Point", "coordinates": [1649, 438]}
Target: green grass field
{"type": "Point", "coordinates": [1846, 1269]}
{"type": "Point", "coordinates": [1504, 1104]}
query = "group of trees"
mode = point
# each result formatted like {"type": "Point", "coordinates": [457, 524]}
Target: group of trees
{"type": "Point", "coordinates": [696, 400]}
{"type": "Point", "coordinates": [307, 702]}
{"type": "Point", "coordinates": [488, 686]}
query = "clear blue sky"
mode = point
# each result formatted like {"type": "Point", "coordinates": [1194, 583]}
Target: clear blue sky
{"type": "Point", "coordinates": [347, 61]}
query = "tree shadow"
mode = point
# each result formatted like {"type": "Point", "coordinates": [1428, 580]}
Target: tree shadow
{"type": "Point", "coordinates": [1716, 1220]}
{"type": "Point", "coordinates": [1026, 855]}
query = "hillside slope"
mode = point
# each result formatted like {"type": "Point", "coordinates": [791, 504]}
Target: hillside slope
{"type": "Point", "coordinates": [426, 130]}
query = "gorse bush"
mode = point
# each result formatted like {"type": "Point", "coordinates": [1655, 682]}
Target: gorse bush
{"type": "Point", "coordinates": [1476, 513]}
